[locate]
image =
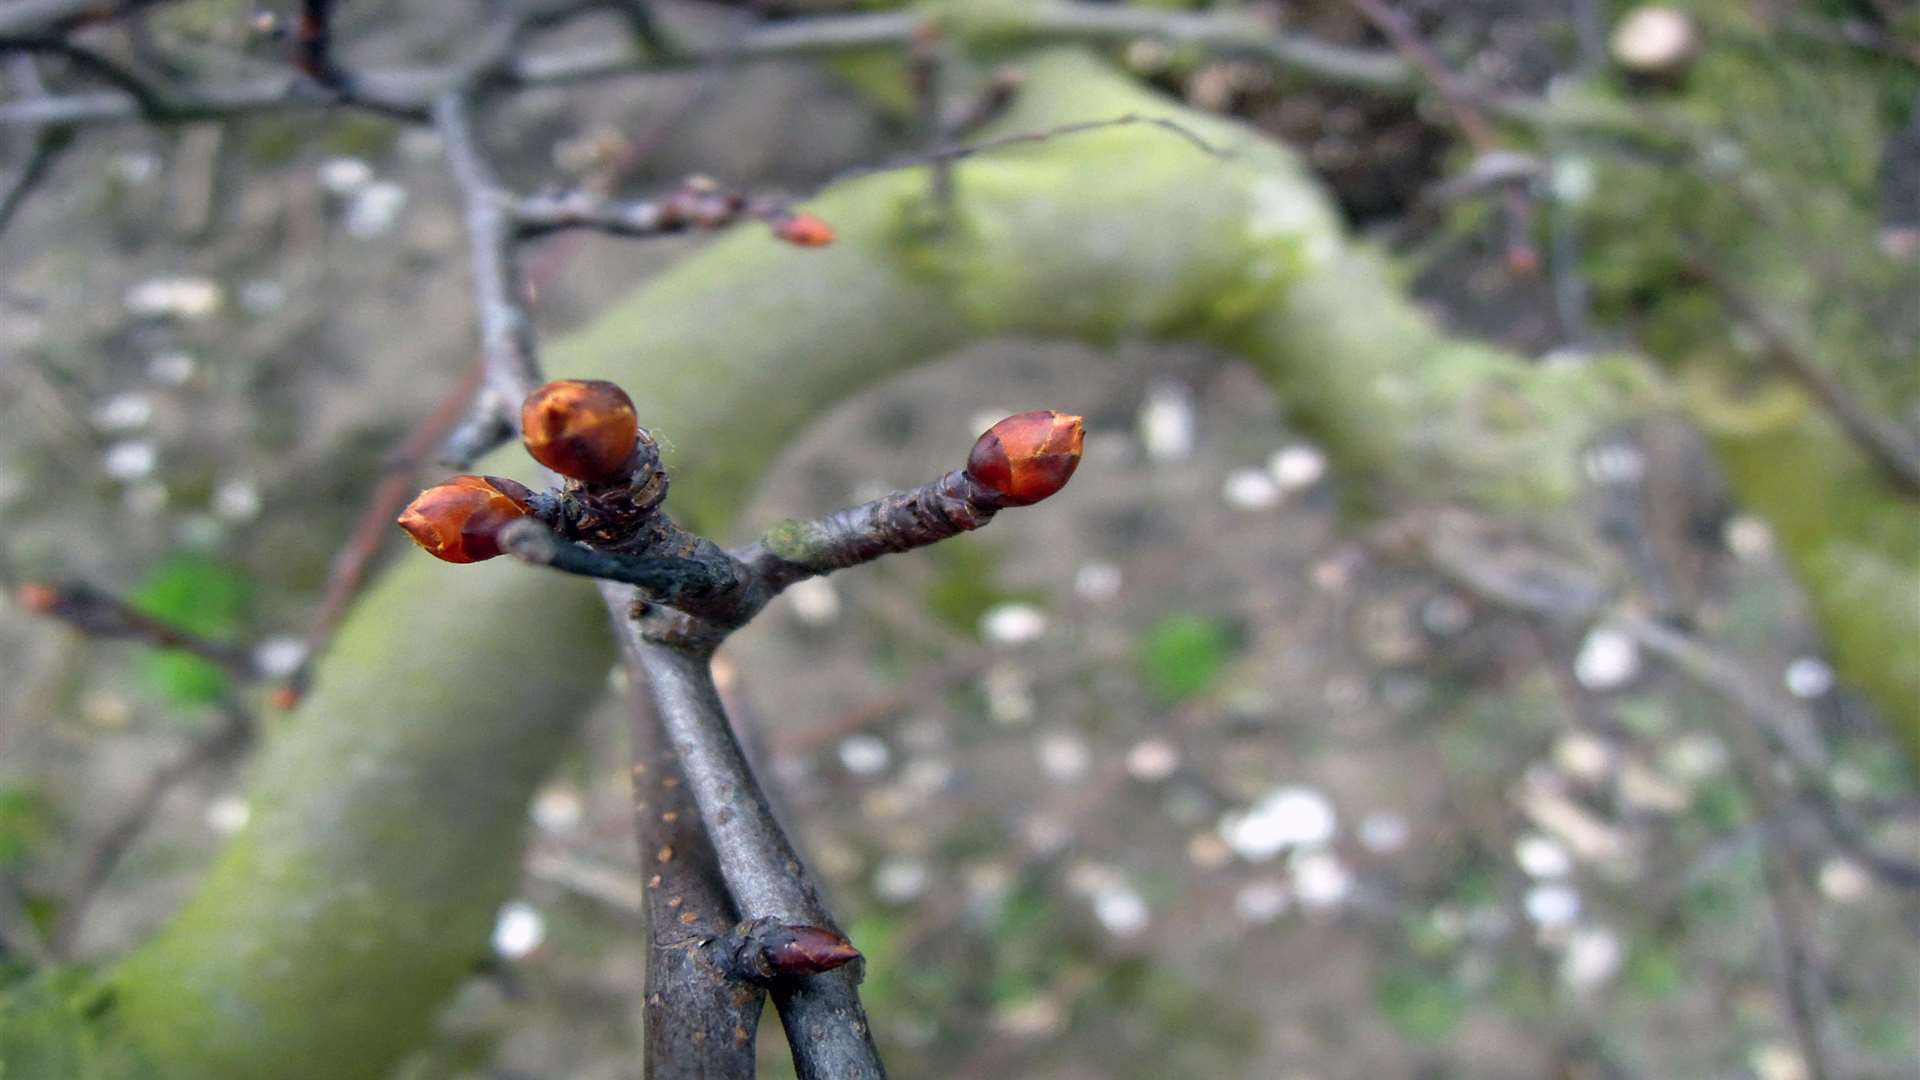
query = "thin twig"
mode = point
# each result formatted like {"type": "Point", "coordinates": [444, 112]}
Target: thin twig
{"type": "Point", "coordinates": [1893, 450]}
{"type": "Point", "coordinates": [48, 145]}
{"type": "Point", "coordinates": [99, 614]}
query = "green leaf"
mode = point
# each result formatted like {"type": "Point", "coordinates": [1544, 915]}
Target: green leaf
{"type": "Point", "coordinates": [200, 595]}
{"type": "Point", "coordinates": [1183, 656]}
{"type": "Point", "coordinates": [1420, 1005]}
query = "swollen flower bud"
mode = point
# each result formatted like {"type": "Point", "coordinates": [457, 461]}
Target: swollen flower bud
{"type": "Point", "coordinates": [583, 428]}
{"type": "Point", "coordinates": [803, 230]}
{"type": "Point", "coordinates": [460, 520]}
{"type": "Point", "coordinates": [1027, 456]}
{"type": "Point", "coordinates": [805, 950]}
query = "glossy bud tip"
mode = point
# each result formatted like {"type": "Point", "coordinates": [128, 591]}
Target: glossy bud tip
{"type": "Point", "coordinates": [1028, 456]}
{"type": "Point", "coordinates": [460, 520]}
{"type": "Point", "coordinates": [582, 428]}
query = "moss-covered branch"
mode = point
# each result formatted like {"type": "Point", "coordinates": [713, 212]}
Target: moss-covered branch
{"type": "Point", "coordinates": [387, 815]}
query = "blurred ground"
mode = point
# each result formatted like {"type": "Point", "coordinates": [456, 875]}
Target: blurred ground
{"type": "Point", "coordinates": [1171, 777]}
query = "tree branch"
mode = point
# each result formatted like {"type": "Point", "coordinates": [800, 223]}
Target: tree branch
{"type": "Point", "coordinates": [99, 614]}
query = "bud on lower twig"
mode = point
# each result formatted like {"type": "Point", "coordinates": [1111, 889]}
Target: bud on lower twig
{"type": "Point", "coordinates": [460, 520]}
{"type": "Point", "coordinates": [583, 428]}
{"type": "Point", "coordinates": [1027, 456]}
{"type": "Point", "coordinates": [803, 230]}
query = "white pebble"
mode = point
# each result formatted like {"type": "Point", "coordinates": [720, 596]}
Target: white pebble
{"type": "Point", "coordinates": [1383, 833]}
{"type": "Point", "coordinates": [1286, 817]}
{"type": "Point", "coordinates": [1777, 1061]}
{"type": "Point", "coordinates": [1152, 760]}
{"type": "Point", "coordinates": [1552, 905]}
{"type": "Point", "coordinates": [1654, 39]}
{"type": "Point", "coordinates": [1064, 757]}
{"type": "Point", "coordinates": [1166, 421]}
{"type": "Point", "coordinates": [1097, 581]}
{"type": "Point", "coordinates": [1607, 659]}
{"type": "Point", "coordinates": [815, 601]}
{"type": "Point", "coordinates": [228, 814]}
{"type": "Point", "coordinates": [1297, 467]}
{"type": "Point", "coordinates": [1320, 880]}
{"type": "Point", "coordinates": [1009, 694]}
{"type": "Point", "coordinates": [1250, 489]}
{"type": "Point", "coordinates": [1844, 880]}
{"type": "Point", "coordinates": [171, 368]}
{"type": "Point", "coordinates": [374, 209]}
{"type": "Point", "coordinates": [1583, 757]}
{"type": "Point", "coordinates": [901, 881]}
{"type": "Point", "coordinates": [123, 412]}
{"type": "Point", "coordinates": [519, 930]}
{"type": "Point", "coordinates": [131, 460]}
{"type": "Point", "coordinates": [558, 809]}
{"type": "Point", "coordinates": [236, 499]}
{"type": "Point", "coordinates": [1121, 910]}
{"type": "Point", "coordinates": [179, 297]}
{"type": "Point", "coordinates": [1809, 677]}
{"type": "Point", "coordinates": [1748, 538]}
{"type": "Point", "coordinates": [280, 655]}
{"type": "Point", "coordinates": [1013, 624]}
{"type": "Point", "coordinates": [1592, 958]}
{"type": "Point", "coordinates": [864, 754]}
{"type": "Point", "coordinates": [1542, 857]}
{"type": "Point", "coordinates": [1261, 902]}
{"type": "Point", "coordinates": [344, 175]}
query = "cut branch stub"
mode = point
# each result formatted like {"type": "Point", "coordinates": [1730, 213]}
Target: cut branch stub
{"type": "Point", "coordinates": [582, 428]}
{"type": "Point", "coordinates": [460, 520]}
{"type": "Point", "coordinates": [1028, 456]}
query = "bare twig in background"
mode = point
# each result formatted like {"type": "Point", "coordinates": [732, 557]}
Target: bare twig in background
{"type": "Point", "coordinates": [99, 614]}
{"type": "Point", "coordinates": [1399, 31]}
{"type": "Point", "coordinates": [1892, 449]}
{"type": "Point", "coordinates": [225, 741]}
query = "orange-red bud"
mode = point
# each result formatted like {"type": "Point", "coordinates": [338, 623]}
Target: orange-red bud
{"type": "Point", "coordinates": [806, 950]}
{"type": "Point", "coordinates": [36, 597]}
{"type": "Point", "coordinates": [284, 698]}
{"type": "Point", "coordinates": [460, 520]}
{"type": "Point", "coordinates": [1027, 456]}
{"type": "Point", "coordinates": [583, 428]}
{"type": "Point", "coordinates": [804, 230]}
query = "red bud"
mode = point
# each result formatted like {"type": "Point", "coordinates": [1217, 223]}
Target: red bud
{"type": "Point", "coordinates": [460, 520]}
{"type": "Point", "coordinates": [583, 428]}
{"type": "Point", "coordinates": [36, 597]}
{"type": "Point", "coordinates": [284, 698]}
{"type": "Point", "coordinates": [806, 950]}
{"type": "Point", "coordinates": [1028, 456]}
{"type": "Point", "coordinates": [804, 230]}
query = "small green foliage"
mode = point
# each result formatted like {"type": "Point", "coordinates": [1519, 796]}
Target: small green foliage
{"type": "Point", "coordinates": [23, 824]}
{"type": "Point", "coordinates": [1183, 655]}
{"type": "Point", "coordinates": [1420, 1005]}
{"type": "Point", "coordinates": [199, 595]}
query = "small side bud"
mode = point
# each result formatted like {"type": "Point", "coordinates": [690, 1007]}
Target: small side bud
{"type": "Point", "coordinates": [1027, 456]}
{"type": "Point", "coordinates": [284, 698]}
{"type": "Point", "coordinates": [460, 520]}
{"type": "Point", "coordinates": [37, 597]}
{"type": "Point", "coordinates": [583, 428]}
{"type": "Point", "coordinates": [803, 230]}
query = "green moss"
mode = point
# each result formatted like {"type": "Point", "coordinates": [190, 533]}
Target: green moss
{"type": "Point", "coordinates": [1183, 656]}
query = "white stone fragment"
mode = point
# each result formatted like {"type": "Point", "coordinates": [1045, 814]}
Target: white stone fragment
{"type": "Point", "coordinates": [1166, 422]}
{"type": "Point", "coordinates": [558, 809]}
{"type": "Point", "coordinates": [374, 209]}
{"type": "Point", "coordinates": [1320, 879]}
{"type": "Point", "coordinates": [518, 930]}
{"type": "Point", "coordinates": [176, 297]}
{"type": "Point", "coordinates": [280, 655]}
{"type": "Point", "coordinates": [1262, 901]}
{"type": "Point", "coordinates": [815, 601]}
{"type": "Point", "coordinates": [342, 176]}
{"type": "Point", "coordinates": [130, 460]}
{"type": "Point", "coordinates": [901, 881]}
{"type": "Point", "coordinates": [1552, 905]}
{"type": "Point", "coordinates": [123, 412]}
{"type": "Point", "coordinates": [1654, 39]}
{"type": "Point", "coordinates": [1064, 756]}
{"type": "Point", "coordinates": [1250, 489]}
{"type": "Point", "coordinates": [1287, 817]}
{"type": "Point", "coordinates": [1808, 677]}
{"type": "Point", "coordinates": [1843, 880]}
{"type": "Point", "coordinates": [1592, 958]}
{"type": "Point", "coordinates": [1608, 659]}
{"type": "Point", "coordinates": [1152, 760]}
{"type": "Point", "coordinates": [171, 368]}
{"type": "Point", "coordinates": [1748, 538]}
{"type": "Point", "coordinates": [228, 814]}
{"type": "Point", "coordinates": [1777, 1061]}
{"type": "Point", "coordinates": [1383, 832]}
{"type": "Point", "coordinates": [865, 754]}
{"type": "Point", "coordinates": [1583, 757]}
{"type": "Point", "coordinates": [236, 499]}
{"type": "Point", "coordinates": [1542, 857]}
{"type": "Point", "coordinates": [1013, 624]}
{"type": "Point", "coordinates": [1121, 910]}
{"type": "Point", "coordinates": [1297, 467]}
{"type": "Point", "coordinates": [1095, 582]}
